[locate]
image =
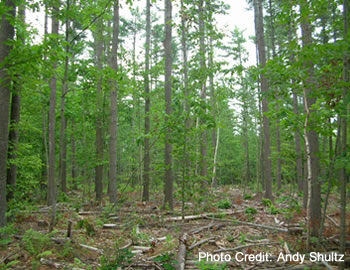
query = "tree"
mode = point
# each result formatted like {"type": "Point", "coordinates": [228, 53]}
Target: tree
{"type": "Point", "coordinates": [114, 109]}
{"type": "Point", "coordinates": [203, 94]}
{"type": "Point", "coordinates": [99, 107]}
{"type": "Point", "coordinates": [168, 184]}
{"type": "Point", "coordinates": [265, 106]}
{"type": "Point", "coordinates": [14, 120]}
{"type": "Point", "coordinates": [344, 137]}
{"type": "Point", "coordinates": [311, 134]}
{"type": "Point", "coordinates": [6, 34]}
{"type": "Point", "coordinates": [147, 156]}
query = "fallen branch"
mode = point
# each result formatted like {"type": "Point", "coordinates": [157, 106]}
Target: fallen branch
{"type": "Point", "coordinates": [333, 221]}
{"type": "Point", "coordinates": [200, 243]}
{"type": "Point", "coordinates": [91, 248]}
{"type": "Point", "coordinates": [181, 255]}
{"type": "Point", "coordinates": [205, 215]}
{"type": "Point", "coordinates": [51, 263]}
{"type": "Point", "coordinates": [245, 246]}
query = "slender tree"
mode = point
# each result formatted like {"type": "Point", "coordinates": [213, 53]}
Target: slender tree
{"type": "Point", "coordinates": [99, 119]}
{"type": "Point", "coordinates": [203, 94]}
{"type": "Point", "coordinates": [168, 185]}
{"type": "Point", "coordinates": [343, 174]}
{"type": "Point", "coordinates": [147, 156]}
{"type": "Point", "coordinates": [265, 106]}
{"type": "Point", "coordinates": [114, 109]}
{"type": "Point", "coordinates": [311, 134]}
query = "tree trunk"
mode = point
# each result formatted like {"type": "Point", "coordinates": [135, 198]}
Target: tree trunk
{"type": "Point", "coordinates": [99, 116]}
{"type": "Point", "coordinates": [114, 109]}
{"type": "Point", "coordinates": [52, 193]}
{"type": "Point", "coordinates": [63, 137]}
{"type": "Point", "coordinates": [312, 135]}
{"type": "Point", "coordinates": [265, 105]}
{"type": "Point", "coordinates": [73, 158]}
{"type": "Point", "coordinates": [203, 94]}
{"type": "Point", "coordinates": [343, 173]}
{"type": "Point", "coordinates": [168, 185]}
{"type": "Point", "coordinates": [6, 34]}
{"type": "Point", "coordinates": [14, 122]}
{"type": "Point", "coordinates": [299, 161]}
{"type": "Point", "coordinates": [147, 157]}
{"type": "Point", "coordinates": [213, 108]}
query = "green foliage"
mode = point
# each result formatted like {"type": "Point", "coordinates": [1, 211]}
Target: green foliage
{"type": "Point", "coordinates": [274, 210]}
{"type": "Point", "coordinates": [251, 211]}
{"type": "Point", "coordinates": [224, 204]}
{"type": "Point", "coordinates": [166, 260]}
{"type": "Point", "coordinates": [85, 224]}
{"type": "Point", "coordinates": [266, 202]}
{"type": "Point", "coordinates": [5, 234]}
{"type": "Point", "coordinates": [120, 258]}
{"type": "Point", "coordinates": [35, 242]}
{"type": "Point", "coordinates": [8, 265]}
{"type": "Point", "coordinates": [210, 266]}
{"type": "Point", "coordinates": [247, 196]}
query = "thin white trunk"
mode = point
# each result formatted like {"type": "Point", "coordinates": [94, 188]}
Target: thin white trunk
{"type": "Point", "coordinates": [215, 157]}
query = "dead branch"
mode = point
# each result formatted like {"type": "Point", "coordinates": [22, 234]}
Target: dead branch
{"type": "Point", "coordinates": [200, 243]}
{"type": "Point", "coordinates": [231, 212]}
{"type": "Point", "coordinates": [245, 246]}
{"type": "Point", "coordinates": [333, 221]}
{"type": "Point", "coordinates": [51, 263]}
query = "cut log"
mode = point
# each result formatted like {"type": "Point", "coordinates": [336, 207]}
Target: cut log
{"type": "Point", "coordinates": [110, 226]}
{"type": "Point", "coordinates": [181, 254]}
{"type": "Point", "coordinates": [98, 250]}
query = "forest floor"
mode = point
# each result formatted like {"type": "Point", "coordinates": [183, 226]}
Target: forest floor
{"type": "Point", "coordinates": [139, 235]}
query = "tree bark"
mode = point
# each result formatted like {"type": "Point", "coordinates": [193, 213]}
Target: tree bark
{"type": "Point", "coordinates": [14, 122]}
{"type": "Point", "coordinates": [147, 157]}
{"type": "Point", "coordinates": [168, 185]}
{"type": "Point", "coordinates": [63, 137]}
{"type": "Point", "coordinates": [99, 119]}
{"type": "Point", "coordinates": [114, 109]}
{"type": "Point", "coordinates": [73, 158]}
{"type": "Point", "coordinates": [312, 135]}
{"type": "Point", "coordinates": [203, 94]}
{"type": "Point", "coordinates": [344, 136]}
{"type": "Point", "coordinates": [6, 34]}
{"type": "Point", "coordinates": [265, 106]}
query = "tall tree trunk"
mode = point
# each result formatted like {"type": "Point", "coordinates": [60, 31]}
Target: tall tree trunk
{"type": "Point", "coordinates": [52, 193]}
{"type": "Point", "coordinates": [99, 116]}
{"type": "Point", "coordinates": [312, 135]}
{"type": "Point", "coordinates": [168, 185]}
{"type": "Point", "coordinates": [63, 137]}
{"type": "Point", "coordinates": [299, 164]}
{"type": "Point", "coordinates": [213, 107]}
{"type": "Point", "coordinates": [186, 161]}
{"type": "Point", "coordinates": [147, 157]}
{"type": "Point", "coordinates": [6, 34]}
{"type": "Point", "coordinates": [278, 133]}
{"type": "Point", "coordinates": [114, 109]}
{"type": "Point", "coordinates": [265, 106]}
{"type": "Point", "coordinates": [343, 173]}
{"type": "Point", "coordinates": [14, 122]}
{"type": "Point", "coordinates": [203, 94]}
{"type": "Point", "coordinates": [73, 158]}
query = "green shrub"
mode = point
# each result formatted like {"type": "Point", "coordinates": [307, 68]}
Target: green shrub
{"type": "Point", "coordinates": [251, 211]}
{"type": "Point", "coordinates": [224, 204]}
{"type": "Point", "coordinates": [266, 202]}
{"type": "Point", "coordinates": [247, 196]}
{"type": "Point", "coordinates": [35, 242]}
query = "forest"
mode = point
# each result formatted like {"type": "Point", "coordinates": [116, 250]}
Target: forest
{"type": "Point", "coordinates": [144, 134]}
